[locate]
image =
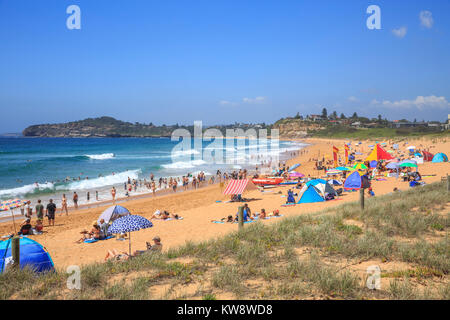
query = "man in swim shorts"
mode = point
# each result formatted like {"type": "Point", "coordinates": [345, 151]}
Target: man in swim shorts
{"type": "Point", "coordinates": [51, 209]}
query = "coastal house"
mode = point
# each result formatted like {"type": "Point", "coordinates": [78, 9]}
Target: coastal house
{"type": "Point", "coordinates": [315, 117]}
{"type": "Point", "coordinates": [407, 124]}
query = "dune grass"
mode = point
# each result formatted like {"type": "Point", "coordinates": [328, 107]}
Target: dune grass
{"type": "Point", "coordinates": [290, 259]}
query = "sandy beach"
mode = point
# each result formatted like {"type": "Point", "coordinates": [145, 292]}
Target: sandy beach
{"type": "Point", "coordinates": [199, 207]}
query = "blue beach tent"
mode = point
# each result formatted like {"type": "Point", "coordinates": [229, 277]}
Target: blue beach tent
{"type": "Point", "coordinates": [312, 194]}
{"type": "Point", "coordinates": [353, 181]}
{"type": "Point", "coordinates": [32, 255]}
{"type": "Point", "coordinates": [315, 182]}
{"type": "Point", "coordinates": [113, 213]}
{"type": "Point", "coordinates": [440, 157]}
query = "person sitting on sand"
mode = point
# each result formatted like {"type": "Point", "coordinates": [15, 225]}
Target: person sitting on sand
{"type": "Point", "coordinates": [371, 193]}
{"type": "Point", "coordinates": [25, 227]}
{"type": "Point", "coordinates": [94, 234]}
{"type": "Point", "coordinates": [263, 214]}
{"type": "Point", "coordinates": [156, 247]}
{"type": "Point", "coordinates": [290, 197]}
{"type": "Point", "coordinates": [103, 229]}
{"type": "Point", "coordinates": [38, 227]}
{"type": "Point", "coordinates": [246, 213]}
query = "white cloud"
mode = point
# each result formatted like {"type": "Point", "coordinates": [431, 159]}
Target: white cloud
{"type": "Point", "coordinates": [426, 19]}
{"type": "Point", "coordinates": [352, 99]}
{"type": "Point", "coordinates": [420, 103]}
{"type": "Point", "coordinates": [227, 103]}
{"type": "Point", "coordinates": [400, 32]}
{"type": "Point", "coordinates": [254, 100]}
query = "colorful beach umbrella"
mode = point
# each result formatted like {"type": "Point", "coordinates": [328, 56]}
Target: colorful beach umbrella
{"type": "Point", "coordinates": [392, 165]}
{"type": "Point", "coordinates": [408, 165]}
{"type": "Point", "coordinates": [11, 205]}
{"type": "Point", "coordinates": [343, 168]}
{"type": "Point", "coordinates": [333, 172]}
{"type": "Point", "coordinates": [129, 224]}
{"type": "Point", "coordinates": [296, 174]}
{"type": "Point", "coordinates": [408, 161]}
{"type": "Point", "coordinates": [359, 166]}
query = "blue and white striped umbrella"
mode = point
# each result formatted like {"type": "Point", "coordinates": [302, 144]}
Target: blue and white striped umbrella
{"type": "Point", "coordinates": [129, 223]}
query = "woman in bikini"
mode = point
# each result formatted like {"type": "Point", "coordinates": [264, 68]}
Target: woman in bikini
{"type": "Point", "coordinates": [64, 205]}
{"type": "Point", "coordinates": [116, 255]}
{"type": "Point", "coordinates": [94, 234]}
{"type": "Point", "coordinates": [113, 194]}
{"type": "Point", "coordinates": [153, 188]}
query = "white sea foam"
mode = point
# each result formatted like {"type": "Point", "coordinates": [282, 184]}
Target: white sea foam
{"type": "Point", "coordinates": [110, 180]}
{"type": "Point", "coordinates": [27, 189]}
{"type": "Point", "coordinates": [102, 156]}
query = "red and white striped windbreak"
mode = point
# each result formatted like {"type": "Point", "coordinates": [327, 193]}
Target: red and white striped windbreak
{"type": "Point", "coordinates": [236, 186]}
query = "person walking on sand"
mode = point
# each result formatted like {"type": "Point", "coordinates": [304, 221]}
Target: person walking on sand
{"type": "Point", "coordinates": [51, 209]}
{"type": "Point", "coordinates": [113, 194]}
{"type": "Point", "coordinates": [64, 205]}
{"type": "Point", "coordinates": [153, 188]}
{"type": "Point", "coordinates": [75, 200]}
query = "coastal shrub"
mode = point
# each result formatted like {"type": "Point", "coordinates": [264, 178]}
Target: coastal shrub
{"type": "Point", "coordinates": [229, 278]}
{"type": "Point", "coordinates": [328, 279]}
{"type": "Point", "coordinates": [402, 290]}
{"type": "Point", "coordinates": [434, 255]}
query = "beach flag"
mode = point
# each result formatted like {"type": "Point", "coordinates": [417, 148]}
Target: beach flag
{"type": "Point", "coordinates": [346, 153]}
{"type": "Point", "coordinates": [335, 157]}
{"type": "Point", "coordinates": [378, 153]}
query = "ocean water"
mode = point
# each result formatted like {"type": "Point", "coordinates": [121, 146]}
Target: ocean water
{"type": "Point", "coordinates": [32, 168]}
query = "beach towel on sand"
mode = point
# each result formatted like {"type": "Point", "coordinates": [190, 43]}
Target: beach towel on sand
{"type": "Point", "coordinates": [95, 240]}
{"type": "Point", "coordinates": [168, 219]}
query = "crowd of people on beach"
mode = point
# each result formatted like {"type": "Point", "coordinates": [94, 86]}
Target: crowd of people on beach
{"type": "Point", "coordinates": [189, 181]}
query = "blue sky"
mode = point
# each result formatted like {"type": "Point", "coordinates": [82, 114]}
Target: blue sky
{"type": "Point", "coordinates": [221, 61]}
